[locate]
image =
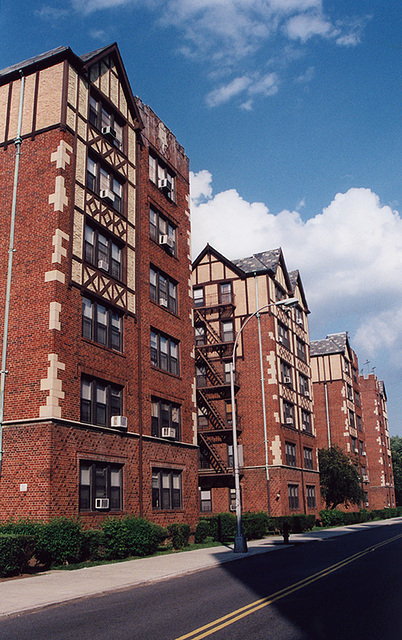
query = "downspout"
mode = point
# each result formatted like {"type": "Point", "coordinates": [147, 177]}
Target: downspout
{"type": "Point", "coordinates": [264, 411]}
{"type": "Point", "coordinates": [11, 250]}
{"type": "Point", "coordinates": [327, 414]}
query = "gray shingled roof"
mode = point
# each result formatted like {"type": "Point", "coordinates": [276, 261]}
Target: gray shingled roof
{"type": "Point", "coordinates": [333, 343]}
{"type": "Point", "coordinates": [259, 261]}
{"type": "Point", "coordinates": [31, 61]}
{"type": "Point", "coordinates": [293, 276]}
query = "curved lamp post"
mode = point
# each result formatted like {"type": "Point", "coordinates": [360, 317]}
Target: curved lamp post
{"type": "Point", "coordinates": [240, 543]}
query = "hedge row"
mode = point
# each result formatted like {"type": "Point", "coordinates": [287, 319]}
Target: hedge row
{"type": "Point", "coordinates": [64, 541]}
{"type": "Point", "coordinates": [222, 527]}
{"type": "Point", "coordinates": [336, 518]}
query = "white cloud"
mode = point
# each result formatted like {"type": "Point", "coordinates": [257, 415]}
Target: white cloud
{"type": "Point", "coordinates": [305, 26]}
{"type": "Point", "coordinates": [51, 13]}
{"type": "Point", "coordinates": [228, 91]}
{"type": "Point", "coordinates": [349, 256]}
{"type": "Point", "coordinates": [253, 85]}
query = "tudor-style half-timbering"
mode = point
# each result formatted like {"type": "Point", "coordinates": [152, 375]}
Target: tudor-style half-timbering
{"type": "Point", "coordinates": [225, 294]}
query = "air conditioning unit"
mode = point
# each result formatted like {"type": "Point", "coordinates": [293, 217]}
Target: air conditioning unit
{"type": "Point", "coordinates": [168, 432]}
{"type": "Point", "coordinates": [364, 453]}
{"type": "Point", "coordinates": [299, 320]}
{"type": "Point", "coordinates": [356, 450]}
{"type": "Point", "coordinates": [165, 241]}
{"type": "Point", "coordinates": [107, 194]}
{"type": "Point", "coordinates": [280, 339]}
{"type": "Point", "coordinates": [101, 503]}
{"type": "Point", "coordinates": [109, 131]}
{"type": "Point", "coordinates": [287, 380]}
{"type": "Point", "coordinates": [118, 422]}
{"type": "Point", "coordinates": [165, 186]}
{"type": "Point", "coordinates": [102, 264]}
{"type": "Point", "coordinates": [365, 479]}
{"type": "Point", "coordinates": [289, 421]}
{"type": "Point", "coordinates": [163, 302]}
{"type": "Point", "coordinates": [307, 393]}
{"type": "Point", "coordinates": [366, 504]}
{"type": "Point", "coordinates": [232, 507]}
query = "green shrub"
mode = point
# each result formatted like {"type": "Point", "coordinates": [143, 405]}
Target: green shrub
{"type": "Point", "coordinates": [131, 536]}
{"type": "Point", "coordinates": [331, 517]}
{"type": "Point", "coordinates": [58, 541]}
{"type": "Point", "coordinates": [201, 531]}
{"type": "Point", "coordinates": [255, 524]}
{"type": "Point", "coordinates": [92, 546]}
{"type": "Point", "coordinates": [222, 527]}
{"type": "Point", "coordinates": [15, 552]}
{"type": "Point", "coordinates": [179, 534]}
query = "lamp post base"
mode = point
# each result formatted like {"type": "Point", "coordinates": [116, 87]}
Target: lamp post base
{"type": "Point", "coordinates": [240, 544]}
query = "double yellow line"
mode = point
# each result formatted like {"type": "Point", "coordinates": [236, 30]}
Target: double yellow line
{"type": "Point", "coordinates": [238, 614]}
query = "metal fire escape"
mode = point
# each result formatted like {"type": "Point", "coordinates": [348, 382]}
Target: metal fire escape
{"type": "Point", "coordinates": [213, 352]}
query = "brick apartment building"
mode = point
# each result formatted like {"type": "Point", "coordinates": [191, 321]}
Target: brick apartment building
{"type": "Point", "coordinates": [98, 409]}
{"type": "Point", "coordinates": [350, 413]}
{"type": "Point", "coordinates": [281, 477]}
{"type": "Point", "coordinates": [381, 487]}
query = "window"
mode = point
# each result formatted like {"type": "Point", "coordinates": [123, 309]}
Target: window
{"type": "Point", "coordinates": [293, 495]}
{"type": "Point", "coordinates": [164, 352]}
{"type": "Point", "coordinates": [200, 334]}
{"type": "Point", "coordinates": [228, 412]}
{"type": "Point", "coordinates": [166, 489]}
{"type": "Point", "coordinates": [361, 447]}
{"type": "Point", "coordinates": [288, 413]}
{"type": "Point", "coordinates": [165, 419]}
{"type": "Point", "coordinates": [354, 373]}
{"type": "Point", "coordinates": [359, 423]}
{"type": "Point", "coordinates": [286, 373]}
{"type": "Point", "coordinates": [349, 392]}
{"type": "Point", "coordinates": [306, 421]}
{"type": "Point", "coordinates": [231, 455]}
{"type": "Point", "coordinates": [283, 335]}
{"type": "Point", "coordinates": [225, 292]}
{"type": "Point", "coordinates": [203, 462]}
{"type": "Point", "coordinates": [227, 331]}
{"type": "Point", "coordinates": [100, 480]}
{"type": "Point", "coordinates": [102, 325]}
{"type": "Point", "coordinates": [103, 118]}
{"type": "Point", "coordinates": [357, 398]}
{"type": "Point", "coordinates": [347, 366]}
{"type": "Point", "coordinates": [102, 252]}
{"type": "Point", "coordinates": [354, 444]}
{"type": "Point", "coordinates": [299, 316]}
{"type": "Point", "coordinates": [308, 458]}
{"type": "Point", "coordinates": [310, 490]}
{"type": "Point", "coordinates": [162, 231]}
{"type": "Point", "coordinates": [301, 349]}
{"type": "Point", "coordinates": [198, 295]}
{"type": "Point", "coordinates": [205, 500]}
{"type": "Point", "coordinates": [279, 293]}
{"type": "Point", "coordinates": [201, 375]}
{"type": "Point", "coordinates": [352, 420]}
{"type": "Point", "coordinates": [202, 417]}
{"type": "Point", "coordinates": [162, 176]}
{"type": "Point", "coordinates": [226, 372]}
{"type": "Point", "coordinates": [290, 451]}
{"type": "Point", "coordinates": [103, 182]}
{"type": "Point", "coordinates": [303, 385]}
{"type": "Point", "coordinates": [163, 290]}
{"type": "Point", "coordinates": [100, 401]}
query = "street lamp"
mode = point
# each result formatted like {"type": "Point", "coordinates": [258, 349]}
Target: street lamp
{"type": "Point", "coordinates": [240, 543]}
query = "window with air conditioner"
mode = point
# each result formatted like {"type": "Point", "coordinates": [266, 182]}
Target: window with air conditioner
{"type": "Point", "coordinates": [162, 231]}
{"type": "Point", "coordinates": [100, 486]}
{"type": "Point", "coordinates": [104, 118]}
{"type": "Point", "coordinates": [103, 252]}
{"type": "Point", "coordinates": [100, 400]}
{"type": "Point", "coordinates": [162, 176]}
{"type": "Point", "coordinates": [105, 183]}
{"type": "Point", "coordinates": [165, 419]}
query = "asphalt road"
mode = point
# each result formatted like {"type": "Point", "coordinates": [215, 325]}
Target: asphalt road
{"type": "Point", "coordinates": [342, 588]}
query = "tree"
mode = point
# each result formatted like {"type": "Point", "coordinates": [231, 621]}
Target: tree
{"type": "Point", "coordinates": [339, 478]}
{"type": "Point", "coordinates": [396, 450]}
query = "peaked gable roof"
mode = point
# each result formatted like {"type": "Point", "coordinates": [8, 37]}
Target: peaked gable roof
{"type": "Point", "coordinates": [296, 281]}
{"type": "Point", "coordinates": [80, 63]}
{"type": "Point", "coordinates": [209, 250]}
{"type": "Point", "coordinates": [333, 343]}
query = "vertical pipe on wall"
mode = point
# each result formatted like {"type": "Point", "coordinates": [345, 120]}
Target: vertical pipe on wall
{"type": "Point", "coordinates": [327, 414]}
{"type": "Point", "coordinates": [11, 250]}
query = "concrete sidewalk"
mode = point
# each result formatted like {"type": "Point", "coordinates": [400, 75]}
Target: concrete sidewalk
{"type": "Point", "coordinates": [54, 587]}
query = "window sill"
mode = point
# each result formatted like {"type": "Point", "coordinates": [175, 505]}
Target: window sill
{"type": "Point", "coordinates": [160, 306]}
{"type": "Point", "coordinates": [168, 373]}
{"type": "Point", "coordinates": [103, 347]}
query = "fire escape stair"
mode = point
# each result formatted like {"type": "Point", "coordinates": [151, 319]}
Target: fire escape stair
{"type": "Point", "coordinates": [212, 455]}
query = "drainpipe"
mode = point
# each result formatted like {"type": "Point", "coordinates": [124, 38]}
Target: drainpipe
{"type": "Point", "coordinates": [11, 250]}
{"type": "Point", "coordinates": [264, 411]}
{"type": "Point", "coordinates": [327, 414]}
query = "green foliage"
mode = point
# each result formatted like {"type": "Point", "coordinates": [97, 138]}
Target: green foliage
{"type": "Point", "coordinates": [340, 481]}
{"type": "Point", "coordinates": [58, 541]}
{"type": "Point", "coordinates": [15, 553]}
{"type": "Point", "coordinates": [222, 527]}
{"type": "Point", "coordinates": [396, 450]}
{"type": "Point", "coordinates": [336, 518]}
{"type": "Point", "coordinates": [131, 536]}
{"type": "Point", "coordinates": [298, 523]}
{"type": "Point", "coordinates": [179, 534]}
{"type": "Point", "coordinates": [201, 531]}
{"type": "Point", "coordinates": [92, 547]}
{"type": "Point", "coordinates": [255, 524]}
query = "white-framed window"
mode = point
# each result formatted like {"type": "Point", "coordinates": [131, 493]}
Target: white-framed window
{"type": "Point", "coordinates": [162, 231]}
{"type": "Point", "coordinates": [102, 181]}
{"type": "Point", "coordinates": [163, 289]}
{"type": "Point", "coordinates": [164, 352]}
{"type": "Point", "coordinates": [100, 486]}
{"type": "Point", "coordinates": [102, 252]}
{"type": "Point", "coordinates": [103, 118]}
{"type": "Point", "coordinates": [165, 415]}
{"type": "Point", "coordinates": [102, 325]}
{"type": "Point", "coordinates": [166, 489]}
{"type": "Point", "coordinates": [100, 400]}
{"type": "Point", "coordinates": [205, 500]}
{"type": "Point", "coordinates": [162, 176]}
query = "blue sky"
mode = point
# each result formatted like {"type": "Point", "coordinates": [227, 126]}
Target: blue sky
{"type": "Point", "coordinates": [290, 113]}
